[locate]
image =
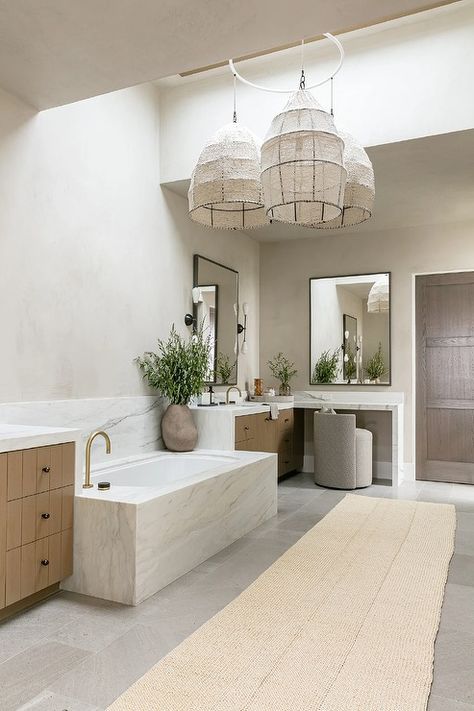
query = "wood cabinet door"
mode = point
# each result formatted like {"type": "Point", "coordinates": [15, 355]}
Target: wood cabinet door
{"type": "Point", "coordinates": [245, 428]}
{"type": "Point", "coordinates": [444, 372]}
{"type": "Point", "coordinates": [267, 433]}
{"type": "Point", "coordinates": [3, 524]}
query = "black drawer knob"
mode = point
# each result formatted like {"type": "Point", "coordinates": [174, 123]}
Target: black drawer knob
{"type": "Point", "coordinates": [45, 515]}
{"type": "Point", "coordinates": [46, 470]}
{"type": "Point", "coordinates": [246, 427]}
{"type": "Point", "coordinates": [45, 562]}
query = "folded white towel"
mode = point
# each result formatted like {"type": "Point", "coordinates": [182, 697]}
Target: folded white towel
{"type": "Point", "coordinates": [274, 411]}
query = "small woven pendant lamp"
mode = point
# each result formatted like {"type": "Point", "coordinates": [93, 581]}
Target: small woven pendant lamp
{"type": "Point", "coordinates": [303, 173]}
{"type": "Point", "coordinates": [226, 189]}
{"type": "Point", "coordinates": [359, 194]}
{"type": "Point", "coordinates": [379, 296]}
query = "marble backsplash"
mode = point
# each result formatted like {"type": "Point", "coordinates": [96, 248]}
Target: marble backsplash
{"type": "Point", "coordinates": [133, 423]}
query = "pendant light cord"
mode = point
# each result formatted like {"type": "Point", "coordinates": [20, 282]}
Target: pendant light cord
{"type": "Point", "coordinates": [234, 117]}
{"type": "Point", "coordinates": [302, 77]}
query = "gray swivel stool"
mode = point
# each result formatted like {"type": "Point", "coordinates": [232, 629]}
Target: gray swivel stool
{"type": "Point", "coordinates": [342, 452]}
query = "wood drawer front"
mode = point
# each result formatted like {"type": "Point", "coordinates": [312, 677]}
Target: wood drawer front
{"type": "Point", "coordinates": [285, 464]}
{"type": "Point", "coordinates": [245, 428]}
{"type": "Point", "coordinates": [34, 471]}
{"type": "Point", "coordinates": [286, 421]}
{"type": "Point", "coordinates": [37, 565]}
{"type": "Point", "coordinates": [35, 517]}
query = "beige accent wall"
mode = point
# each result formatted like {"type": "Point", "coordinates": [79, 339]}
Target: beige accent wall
{"type": "Point", "coordinates": [284, 290]}
{"type": "Point", "coordinates": [96, 258]}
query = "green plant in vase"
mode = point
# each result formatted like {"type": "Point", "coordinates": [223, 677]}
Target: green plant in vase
{"type": "Point", "coordinates": [224, 368]}
{"type": "Point", "coordinates": [375, 366]}
{"type": "Point", "coordinates": [177, 371]}
{"type": "Point", "coordinates": [326, 367]}
{"type": "Point", "coordinates": [282, 370]}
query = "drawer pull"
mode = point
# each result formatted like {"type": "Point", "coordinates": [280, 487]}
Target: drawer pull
{"type": "Point", "coordinates": [286, 419]}
{"type": "Point", "coordinates": [246, 427]}
{"type": "Point", "coordinates": [46, 470]}
{"type": "Point", "coordinates": [45, 515]}
{"type": "Point", "coordinates": [287, 440]}
{"type": "Point", "coordinates": [45, 562]}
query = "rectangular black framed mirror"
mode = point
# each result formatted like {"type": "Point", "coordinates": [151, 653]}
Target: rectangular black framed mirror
{"type": "Point", "coordinates": [216, 308]}
{"type": "Point", "coordinates": [350, 325]}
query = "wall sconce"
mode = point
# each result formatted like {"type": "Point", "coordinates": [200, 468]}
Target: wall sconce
{"type": "Point", "coordinates": [197, 297]}
{"type": "Point", "coordinates": [243, 328]}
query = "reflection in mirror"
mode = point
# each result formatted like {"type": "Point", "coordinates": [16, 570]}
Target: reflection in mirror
{"type": "Point", "coordinates": [206, 314]}
{"type": "Point", "coordinates": [216, 309]}
{"type": "Point", "coordinates": [350, 330]}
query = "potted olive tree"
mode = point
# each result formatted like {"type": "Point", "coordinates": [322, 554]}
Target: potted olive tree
{"type": "Point", "coordinates": [283, 370]}
{"type": "Point", "coordinates": [178, 371]}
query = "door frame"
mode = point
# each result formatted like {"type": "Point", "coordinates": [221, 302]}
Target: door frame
{"type": "Point", "coordinates": [414, 324]}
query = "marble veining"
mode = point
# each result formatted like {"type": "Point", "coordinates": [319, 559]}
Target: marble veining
{"type": "Point", "coordinates": [127, 551]}
{"type": "Point", "coordinates": [133, 423]}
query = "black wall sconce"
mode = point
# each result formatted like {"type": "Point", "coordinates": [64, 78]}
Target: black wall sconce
{"type": "Point", "coordinates": [242, 328]}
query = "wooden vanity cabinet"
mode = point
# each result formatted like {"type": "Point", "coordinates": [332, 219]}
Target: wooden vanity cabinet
{"type": "Point", "coordinates": [36, 522]}
{"type": "Point", "coordinates": [284, 436]}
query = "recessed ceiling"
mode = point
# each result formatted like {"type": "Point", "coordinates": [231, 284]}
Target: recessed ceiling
{"type": "Point", "coordinates": [54, 52]}
{"type": "Point", "coordinates": [425, 181]}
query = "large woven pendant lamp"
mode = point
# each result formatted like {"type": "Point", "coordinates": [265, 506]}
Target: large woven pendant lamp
{"type": "Point", "coordinates": [226, 189]}
{"type": "Point", "coordinates": [360, 186]}
{"type": "Point", "coordinates": [379, 296]}
{"type": "Point", "coordinates": [303, 173]}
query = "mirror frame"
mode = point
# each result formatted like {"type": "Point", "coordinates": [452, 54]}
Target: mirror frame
{"type": "Point", "coordinates": [196, 258]}
{"type": "Point", "coordinates": [388, 383]}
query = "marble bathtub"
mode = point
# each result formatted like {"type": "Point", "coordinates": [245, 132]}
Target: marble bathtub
{"type": "Point", "coordinates": [163, 515]}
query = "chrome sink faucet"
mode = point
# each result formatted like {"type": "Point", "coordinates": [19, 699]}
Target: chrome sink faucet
{"type": "Point", "coordinates": [229, 390]}
{"type": "Point", "coordinates": [108, 448]}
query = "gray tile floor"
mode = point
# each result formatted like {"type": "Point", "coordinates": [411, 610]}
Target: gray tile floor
{"type": "Point", "coordinates": [78, 653]}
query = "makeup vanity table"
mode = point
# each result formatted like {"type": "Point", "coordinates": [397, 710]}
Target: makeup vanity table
{"type": "Point", "coordinates": [392, 402]}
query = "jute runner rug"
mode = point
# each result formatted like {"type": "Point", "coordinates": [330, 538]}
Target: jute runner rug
{"type": "Point", "coordinates": [345, 620]}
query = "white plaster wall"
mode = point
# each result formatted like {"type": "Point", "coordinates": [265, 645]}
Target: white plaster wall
{"type": "Point", "coordinates": [96, 258]}
{"type": "Point", "coordinates": [285, 303]}
{"type": "Point", "coordinates": [401, 79]}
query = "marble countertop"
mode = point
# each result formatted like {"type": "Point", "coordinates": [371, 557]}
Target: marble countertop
{"type": "Point", "coordinates": [349, 400]}
{"type": "Point", "coordinates": [250, 408]}
{"type": "Point", "coordinates": [14, 437]}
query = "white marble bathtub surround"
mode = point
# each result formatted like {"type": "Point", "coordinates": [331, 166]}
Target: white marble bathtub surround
{"type": "Point", "coordinates": [133, 423]}
{"type": "Point", "coordinates": [126, 552]}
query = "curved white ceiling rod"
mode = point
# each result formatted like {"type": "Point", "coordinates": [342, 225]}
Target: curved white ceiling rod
{"type": "Point", "coordinates": [291, 91]}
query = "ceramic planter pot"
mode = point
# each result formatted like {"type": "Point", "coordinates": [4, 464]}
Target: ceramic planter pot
{"type": "Point", "coordinates": [178, 429]}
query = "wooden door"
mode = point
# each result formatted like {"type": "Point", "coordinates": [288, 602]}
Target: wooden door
{"type": "Point", "coordinates": [445, 377]}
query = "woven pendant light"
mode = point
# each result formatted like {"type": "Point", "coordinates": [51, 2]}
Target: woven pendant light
{"type": "Point", "coordinates": [379, 296]}
{"type": "Point", "coordinates": [360, 186]}
{"type": "Point", "coordinates": [303, 173]}
{"type": "Point", "coordinates": [226, 189]}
